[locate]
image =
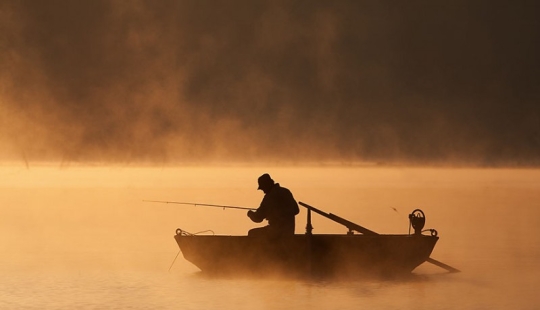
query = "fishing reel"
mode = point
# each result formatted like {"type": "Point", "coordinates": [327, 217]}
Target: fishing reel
{"type": "Point", "coordinates": [417, 219]}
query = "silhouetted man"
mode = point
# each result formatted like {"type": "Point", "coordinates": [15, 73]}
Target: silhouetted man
{"type": "Point", "coordinates": [278, 207]}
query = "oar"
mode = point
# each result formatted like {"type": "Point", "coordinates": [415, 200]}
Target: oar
{"type": "Point", "coordinates": [354, 226]}
{"type": "Point", "coordinates": [442, 265]}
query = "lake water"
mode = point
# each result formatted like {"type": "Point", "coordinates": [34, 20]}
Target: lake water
{"type": "Point", "coordinates": [82, 237]}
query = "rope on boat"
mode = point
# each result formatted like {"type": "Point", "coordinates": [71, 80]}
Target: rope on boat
{"type": "Point", "coordinates": [174, 260]}
{"type": "Point", "coordinates": [186, 233]}
{"type": "Point", "coordinates": [433, 232]}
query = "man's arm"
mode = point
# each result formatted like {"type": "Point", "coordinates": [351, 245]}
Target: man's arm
{"type": "Point", "coordinates": [254, 216]}
{"type": "Point", "coordinates": [259, 215]}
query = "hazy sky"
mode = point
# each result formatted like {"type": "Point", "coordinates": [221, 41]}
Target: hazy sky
{"type": "Point", "coordinates": [164, 81]}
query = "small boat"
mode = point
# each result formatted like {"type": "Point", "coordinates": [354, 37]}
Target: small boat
{"type": "Point", "coordinates": [321, 255]}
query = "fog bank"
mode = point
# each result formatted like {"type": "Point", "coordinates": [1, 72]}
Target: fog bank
{"type": "Point", "coordinates": [173, 81]}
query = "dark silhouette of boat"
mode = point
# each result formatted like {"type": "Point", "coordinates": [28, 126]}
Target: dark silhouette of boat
{"type": "Point", "coordinates": [325, 255]}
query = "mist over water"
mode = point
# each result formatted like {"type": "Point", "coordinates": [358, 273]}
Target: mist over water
{"type": "Point", "coordinates": [81, 236]}
{"type": "Point", "coordinates": [243, 81]}
{"type": "Point", "coordinates": [104, 104]}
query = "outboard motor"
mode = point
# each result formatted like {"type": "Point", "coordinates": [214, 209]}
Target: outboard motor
{"type": "Point", "coordinates": [417, 220]}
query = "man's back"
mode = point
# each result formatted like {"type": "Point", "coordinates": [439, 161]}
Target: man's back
{"type": "Point", "coordinates": [279, 206]}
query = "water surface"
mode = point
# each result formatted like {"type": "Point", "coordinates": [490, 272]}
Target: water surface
{"type": "Point", "coordinates": [82, 237]}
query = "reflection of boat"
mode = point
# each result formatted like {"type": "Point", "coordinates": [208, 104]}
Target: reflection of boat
{"type": "Point", "coordinates": [312, 254]}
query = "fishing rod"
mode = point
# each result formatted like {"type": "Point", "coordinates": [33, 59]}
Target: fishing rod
{"type": "Point", "coordinates": [200, 204]}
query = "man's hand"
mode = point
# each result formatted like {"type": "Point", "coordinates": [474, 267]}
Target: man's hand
{"type": "Point", "coordinates": [253, 216]}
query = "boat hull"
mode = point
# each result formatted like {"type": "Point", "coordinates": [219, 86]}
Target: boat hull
{"type": "Point", "coordinates": [315, 255]}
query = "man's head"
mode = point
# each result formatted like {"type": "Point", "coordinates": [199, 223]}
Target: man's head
{"type": "Point", "coordinates": [265, 182]}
